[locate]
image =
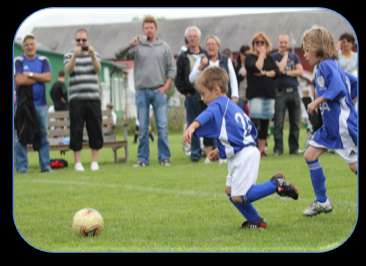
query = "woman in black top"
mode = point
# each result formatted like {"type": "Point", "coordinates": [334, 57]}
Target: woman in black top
{"type": "Point", "coordinates": [261, 71]}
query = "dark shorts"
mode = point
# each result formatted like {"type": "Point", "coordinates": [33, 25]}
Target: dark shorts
{"type": "Point", "coordinates": [86, 112]}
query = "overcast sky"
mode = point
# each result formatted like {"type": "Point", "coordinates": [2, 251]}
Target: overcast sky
{"type": "Point", "coordinates": [80, 16]}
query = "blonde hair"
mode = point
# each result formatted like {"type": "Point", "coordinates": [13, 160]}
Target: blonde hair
{"type": "Point", "coordinates": [319, 40]}
{"type": "Point", "coordinates": [266, 40]}
{"type": "Point", "coordinates": [215, 38]}
{"type": "Point", "coordinates": [211, 78]}
{"type": "Point", "coordinates": [150, 19]}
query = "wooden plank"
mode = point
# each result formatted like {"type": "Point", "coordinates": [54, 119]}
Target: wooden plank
{"type": "Point", "coordinates": [58, 132]}
{"type": "Point", "coordinates": [58, 114]}
{"type": "Point", "coordinates": [59, 123]}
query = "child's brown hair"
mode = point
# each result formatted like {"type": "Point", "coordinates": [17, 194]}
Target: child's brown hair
{"type": "Point", "coordinates": [211, 78]}
{"type": "Point", "coordinates": [319, 40]}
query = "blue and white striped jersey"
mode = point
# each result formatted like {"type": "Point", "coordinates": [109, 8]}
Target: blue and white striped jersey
{"type": "Point", "coordinates": [225, 121]}
{"type": "Point", "coordinates": [339, 129]}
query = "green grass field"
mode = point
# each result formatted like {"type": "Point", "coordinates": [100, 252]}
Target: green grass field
{"type": "Point", "coordinates": [181, 208]}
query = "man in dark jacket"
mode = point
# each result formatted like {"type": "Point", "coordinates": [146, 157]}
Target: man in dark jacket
{"type": "Point", "coordinates": [25, 119]}
{"type": "Point", "coordinates": [287, 96]}
{"type": "Point", "coordinates": [32, 72]}
{"type": "Point", "coordinates": [58, 93]}
{"type": "Point", "coordinates": [193, 104]}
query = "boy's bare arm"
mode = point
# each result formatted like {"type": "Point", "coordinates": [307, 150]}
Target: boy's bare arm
{"type": "Point", "coordinates": [315, 104]}
{"type": "Point", "coordinates": [187, 136]}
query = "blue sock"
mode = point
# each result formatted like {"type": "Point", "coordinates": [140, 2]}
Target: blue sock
{"type": "Point", "coordinates": [247, 210]}
{"type": "Point", "coordinates": [260, 191]}
{"type": "Point", "coordinates": [318, 180]}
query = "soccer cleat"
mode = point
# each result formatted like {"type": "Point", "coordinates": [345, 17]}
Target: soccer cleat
{"type": "Point", "coordinates": [317, 207]}
{"type": "Point", "coordinates": [250, 225]}
{"type": "Point", "coordinates": [207, 161]}
{"type": "Point", "coordinates": [285, 189]}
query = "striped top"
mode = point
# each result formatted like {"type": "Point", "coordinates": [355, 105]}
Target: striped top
{"type": "Point", "coordinates": [83, 81]}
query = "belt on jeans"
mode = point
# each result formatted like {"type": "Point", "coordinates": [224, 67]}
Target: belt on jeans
{"type": "Point", "coordinates": [155, 88]}
{"type": "Point", "coordinates": [287, 90]}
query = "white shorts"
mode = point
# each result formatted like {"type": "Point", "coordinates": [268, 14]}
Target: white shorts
{"type": "Point", "coordinates": [243, 170]}
{"type": "Point", "coordinates": [349, 155]}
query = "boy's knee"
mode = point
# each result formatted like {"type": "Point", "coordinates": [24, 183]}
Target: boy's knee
{"type": "Point", "coordinates": [307, 156]}
{"type": "Point", "coordinates": [228, 191]}
{"type": "Point", "coordinates": [237, 199]}
{"type": "Point", "coordinates": [353, 167]}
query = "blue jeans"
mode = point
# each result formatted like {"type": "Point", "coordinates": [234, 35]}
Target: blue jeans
{"type": "Point", "coordinates": [194, 106]}
{"type": "Point", "coordinates": [20, 150]}
{"type": "Point", "coordinates": [145, 97]}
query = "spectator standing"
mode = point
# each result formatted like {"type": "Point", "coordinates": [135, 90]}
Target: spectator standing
{"type": "Point", "coordinates": [83, 65]}
{"type": "Point", "coordinates": [32, 71]}
{"type": "Point", "coordinates": [347, 58]}
{"type": "Point", "coordinates": [287, 96]}
{"type": "Point", "coordinates": [154, 72]}
{"type": "Point", "coordinates": [215, 58]}
{"type": "Point", "coordinates": [58, 93]}
{"type": "Point", "coordinates": [241, 75]}
{"type": "Point", "coordinates": [193, 103]}
{"type": "Point", "coordinates": [261, 71]}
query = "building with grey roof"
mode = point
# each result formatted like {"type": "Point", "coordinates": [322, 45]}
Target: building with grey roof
{"type": "Point", "coordinates": [233, 31]}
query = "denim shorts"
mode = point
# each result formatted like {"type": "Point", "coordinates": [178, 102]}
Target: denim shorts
{"type": "Point", "coordinates": [261, 108]}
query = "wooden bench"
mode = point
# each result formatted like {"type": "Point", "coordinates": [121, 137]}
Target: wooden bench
{"type": "Point", "coordinates": [59, 129]}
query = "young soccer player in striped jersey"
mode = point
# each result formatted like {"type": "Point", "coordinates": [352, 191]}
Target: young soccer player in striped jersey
{"type": "Point", "coordinates": [236, 139]}
{"type": "Point", "coordinates": [333, 97]}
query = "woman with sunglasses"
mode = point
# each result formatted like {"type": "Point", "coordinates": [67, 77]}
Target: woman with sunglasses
{"type": "Point", "coordinates": [261, 71]}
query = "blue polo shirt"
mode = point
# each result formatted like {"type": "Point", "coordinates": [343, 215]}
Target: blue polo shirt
{"type": "Point", "coordinates": [38, 64]}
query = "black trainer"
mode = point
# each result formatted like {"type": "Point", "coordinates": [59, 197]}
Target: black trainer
{"type": "Point", "coordinates": [250, 225]}
{"type": "Point", "coordinates": [285, 189]}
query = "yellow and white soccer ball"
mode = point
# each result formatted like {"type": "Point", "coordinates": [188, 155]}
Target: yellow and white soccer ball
{"type": "Point", "coordinates": [87, 222]}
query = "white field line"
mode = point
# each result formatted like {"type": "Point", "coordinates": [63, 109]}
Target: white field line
{"type": "Point", "coordinates": [156, 190]}
{"type": "Point", "coordinates": [130, 187]}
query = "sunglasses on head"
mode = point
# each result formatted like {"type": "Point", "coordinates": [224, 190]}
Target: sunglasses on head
{"type": "Point", "coordinates": [81, 40]}
{"type": "Point", "coordinates": [259, 42]}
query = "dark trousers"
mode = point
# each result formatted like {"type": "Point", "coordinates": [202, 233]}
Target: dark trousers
{"type": "Point", "coordinates": [90, 113]}
{"type": "Point", "coordinates": [194, 106]}
{"type": "Point", "coordinates": [262, 127]}
{"type": "Point", "coordinates": [287, 99]}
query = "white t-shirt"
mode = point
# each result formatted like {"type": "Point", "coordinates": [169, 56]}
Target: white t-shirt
{"type": "Point", "coordinates": [232, 76]}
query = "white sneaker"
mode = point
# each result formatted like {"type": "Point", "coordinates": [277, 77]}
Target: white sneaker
{"type": "Point", "coordinates": [318, 207]}
{"type": "Point", "coordinates": [207, 161]}
{"type": "Point", "coordinates": [79, 167]}
{"type": "Point", "coordinates": [94, 166]}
